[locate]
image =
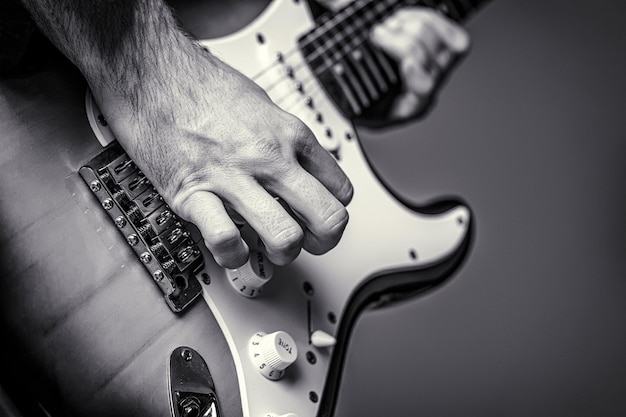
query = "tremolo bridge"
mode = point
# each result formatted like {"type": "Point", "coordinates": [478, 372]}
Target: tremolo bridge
{"type": "Point", "coordinates": [163, 242]}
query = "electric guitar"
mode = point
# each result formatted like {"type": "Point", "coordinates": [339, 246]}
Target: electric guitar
{"type": "Point", "coordinates": [90, 250]}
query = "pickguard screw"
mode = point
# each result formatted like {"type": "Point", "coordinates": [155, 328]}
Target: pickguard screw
{"type": "Point", "coordinates": [313, 396]}
{"type": "Point", "coordinates": [158, 275]}
{"type": "Point", "coordinates": [310, 356]}
{"type": "Point", "coordinates": [95, 186]}
{"type": "Point", "coordinates": [206, 278]}
{"type": "Point", "coordinates": [107, 204]}
{"type": "Point", "coordinates": [332, 318]}
{"type": "Point", "coordinates": [186, 354]}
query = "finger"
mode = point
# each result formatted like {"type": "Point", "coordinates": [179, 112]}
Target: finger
{"type": "Point", "coordinates": [417, 66]}
{"type": "Point", "coordinates": [324, 216]}
{"type": "Point", "coordinates": [280, 233]}
{"type": "Point", "coordinates": [319, 163]}
{"type": "Point", "coordinates": [444, 38]}
{"type": "Point", "coordinates": [407, 105]}
{"type": "Point", "coordinates": [451, 34]}
{"type": "Point", "coordinates": [221, 236]}
{"type": "Point", "coordinates": [334, 5]}
{"type": "Point", "coordinates": [389, 37]}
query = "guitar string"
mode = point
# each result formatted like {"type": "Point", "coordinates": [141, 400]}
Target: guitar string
{"type": "Point", "coordinates": [338, 20]}
{"type": "Point", "coordinates": [352, 32]}
{"type": "Point", "coordinates": [334, 21]}
{"type": "Point", "coordinates": [370, 17]}
{"type": "Point", "coordinates": [355, 35]}
{"type": "Point", "coordinates": [357, 29]}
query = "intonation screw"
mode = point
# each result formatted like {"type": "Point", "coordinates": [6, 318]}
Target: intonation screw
{"type": "Point", "coordinates": [158, 275]}
{"type": "Point", "coordinates": [107, 204]}
{"type": "Point", "coordinates": [95, 186]}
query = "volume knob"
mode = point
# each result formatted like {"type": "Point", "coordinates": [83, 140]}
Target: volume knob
{"type": "Point", "coordinates": [250, 278]}
{"type": "Point", "coordinates": [273, 353]}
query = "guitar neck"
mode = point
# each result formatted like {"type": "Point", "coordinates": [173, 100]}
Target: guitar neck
{"type": "Point", "coordinates": [366, 13]}
{"type": "Point", "coordinates": [355, 74]}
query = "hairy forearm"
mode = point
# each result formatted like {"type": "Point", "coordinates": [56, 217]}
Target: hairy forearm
{"type": "Point", "coordinates": [141, 67]}
{"type": "Point", "coordinates": [118, 45]}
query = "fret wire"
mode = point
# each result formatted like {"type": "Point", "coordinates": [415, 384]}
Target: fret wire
{"type": "Point", "coordinates": [359, 37]}
{"type": "Point", "coordinates": [311, 36]}
{"type": "Point", "coordinates": [320, 28]}
{"type": "Point", "coordinates": [360, 5]}
{"type": "Point", "coordinates": [360, 32]}
{"type": "Point", "coordinates": [360, 24]}
{"type": "Point", "coordinates": [355, 38]}
{"type": "Point", "coordinates": [353, 41]}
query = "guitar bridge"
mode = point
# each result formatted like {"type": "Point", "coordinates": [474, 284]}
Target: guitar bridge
{"type": "Point", "coordinates": [164, 244]}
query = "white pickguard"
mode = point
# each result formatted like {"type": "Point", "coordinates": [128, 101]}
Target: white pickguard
{"type": "Point", "coordinates": [382, 234]}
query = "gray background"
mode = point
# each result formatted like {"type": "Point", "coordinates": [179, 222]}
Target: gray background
{"type": "Point", "coordinates": [530, 131]}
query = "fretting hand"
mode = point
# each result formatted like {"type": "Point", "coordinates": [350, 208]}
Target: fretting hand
{"type": "Point", "coordinates": [426, 45]}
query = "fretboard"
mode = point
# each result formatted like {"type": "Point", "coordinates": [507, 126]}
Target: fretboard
{"type": "Point", "coordinates": [355, 74]}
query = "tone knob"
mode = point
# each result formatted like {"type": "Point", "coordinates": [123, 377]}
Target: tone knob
{"type": "Point", "coordinates": [273, 353]}
{"type": "Point", "coordinates": [250, 278]}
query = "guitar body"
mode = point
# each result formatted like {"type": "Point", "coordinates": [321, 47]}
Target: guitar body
{"type": "Point", "coordinates": [79, 309]}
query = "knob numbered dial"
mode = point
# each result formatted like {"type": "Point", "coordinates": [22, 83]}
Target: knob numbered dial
{"type": "Point", "coordinates": [273, 353]}
{"type": "Point", "coordinates": [250, 278]}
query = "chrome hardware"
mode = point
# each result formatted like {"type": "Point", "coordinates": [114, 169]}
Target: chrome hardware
{"type": "Point", "coordinates": [145, 257]}
{"type": "Point", "coordinates": [156, 235]}
{"type": "Point", "coordinates": [120, 221]}
{"type": "Point", "coordinates": [95, 186]}
{"type": "Point", "coordinates": [191, 387]}
{"type": "Point", "coordinates": [107, 204]}
{"type": "Point", "coordinates": [132, 240]}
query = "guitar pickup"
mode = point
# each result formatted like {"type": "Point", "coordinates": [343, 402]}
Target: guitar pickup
{"type": "Point", "coordinates": [162, 242]}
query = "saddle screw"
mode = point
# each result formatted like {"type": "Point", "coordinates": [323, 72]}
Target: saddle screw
{"type": "Point", "coordinates": [95, 186]}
